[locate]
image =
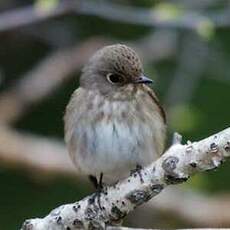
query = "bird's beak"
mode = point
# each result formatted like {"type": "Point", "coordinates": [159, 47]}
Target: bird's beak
{"type": "Point", "coordinates": [144, 80]}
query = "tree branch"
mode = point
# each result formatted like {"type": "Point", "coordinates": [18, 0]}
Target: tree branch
{"type": "Point", "coordinates": [40, 154]}
{"type": "Point", "coordinates": [115, 202]}
{"type": "Point", "coordinates": [23, 150]}
{"type": "Point", "coordinates": [186, 19]}
{"type": "Point", "coordinates": [44, 78]}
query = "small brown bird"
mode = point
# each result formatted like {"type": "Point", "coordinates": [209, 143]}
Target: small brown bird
{"type": "Point", "coordinates": [114, 121]}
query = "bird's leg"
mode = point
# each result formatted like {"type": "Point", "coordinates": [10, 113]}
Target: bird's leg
{"type": "Point", "coordinates": [97, 184]}
{"type": "Point", "coordinates": [139, 167]}
{"type": "Point", "coordinates": [100, 184]}
{"type": "Point", "coordinates": [99, 188]}
{"type": "Point", "coordinates": [137, 171]}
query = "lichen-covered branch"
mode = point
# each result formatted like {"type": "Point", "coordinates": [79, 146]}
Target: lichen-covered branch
{"type": "Point", "coordinates": [177, 164]}
{"type": "Point", "coordinates": [23, 150]}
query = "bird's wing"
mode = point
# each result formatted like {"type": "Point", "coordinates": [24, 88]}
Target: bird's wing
{"type": "Point", "coordinates": [72, 114]}
{"type": "Point", "coordinates": [156, 101]}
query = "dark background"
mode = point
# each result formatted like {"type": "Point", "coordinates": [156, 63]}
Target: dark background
{"type": "Point", "coordinates": [185, 48]}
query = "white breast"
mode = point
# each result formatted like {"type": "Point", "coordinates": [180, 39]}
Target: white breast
{"type": "Point", "coordinates": [112, 145]}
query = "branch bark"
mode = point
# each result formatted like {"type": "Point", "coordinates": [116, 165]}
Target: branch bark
{"type": "Point", "coordinates": [177, 164]}
{"type": "Point", "coordinates": [30, 152]}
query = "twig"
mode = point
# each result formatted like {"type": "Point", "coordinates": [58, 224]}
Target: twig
{"type": "Point", "coordinates": [175, 166]}
{"type": "Point", "coordinates": [28, 15]}
{"type": "Point", "coordinates": [127, 14]}
{"type": "Point", "coordinates": [47, 156]}
{"type": "Point", "coordinates": [43, 155]}
{"type": "Point", "coordinates": [45, 78]}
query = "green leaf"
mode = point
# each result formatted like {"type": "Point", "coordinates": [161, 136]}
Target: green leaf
{"type": "Point", "coordinates": [46, 5]}
{"type": "Point", "coordinates": [167, 11]}
{"type": "Point", "coordinates": [206, 29]}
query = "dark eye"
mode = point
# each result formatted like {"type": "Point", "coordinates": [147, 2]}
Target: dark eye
{"type": "Point", "coordinates": [114, 78]}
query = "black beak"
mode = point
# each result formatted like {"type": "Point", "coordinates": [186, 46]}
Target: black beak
{"type": "Point", "coordinates": [144, 80]}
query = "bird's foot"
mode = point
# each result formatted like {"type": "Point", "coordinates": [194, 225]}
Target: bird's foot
{"type": "Point", "coordinates": [137, 171]}
{"type": "Point", "coordinates": [99, 189]}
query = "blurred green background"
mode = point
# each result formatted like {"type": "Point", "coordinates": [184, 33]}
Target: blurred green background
{"type": "Point", "coordinates": [190, 68]}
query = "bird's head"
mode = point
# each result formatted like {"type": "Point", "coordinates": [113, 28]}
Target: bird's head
{"type": "Point", "coordinates": [114, 70]}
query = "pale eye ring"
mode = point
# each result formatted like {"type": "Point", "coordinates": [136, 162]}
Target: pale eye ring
{"type": "Point", "coordinates": [115, 78]}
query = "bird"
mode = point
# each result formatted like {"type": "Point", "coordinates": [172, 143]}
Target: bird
{"type": "Point", "coordinates": [114, 122]}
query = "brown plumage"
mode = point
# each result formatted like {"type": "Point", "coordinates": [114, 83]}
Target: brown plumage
{"type": "Point", "coordinates": [114, 121]}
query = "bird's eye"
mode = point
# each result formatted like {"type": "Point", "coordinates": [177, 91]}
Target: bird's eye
{"type": "Point", "coordinates": [114, 78]}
